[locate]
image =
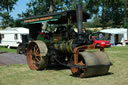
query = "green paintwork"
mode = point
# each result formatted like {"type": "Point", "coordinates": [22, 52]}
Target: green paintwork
{"type": "Point", "coordinates": [65, 47]}
{"type": "Point", "coordinates": [54, 18]}
{"type": "Point", "coordinates": [47, 41]}
{"type": "Point", "coordinates": [41, 21]}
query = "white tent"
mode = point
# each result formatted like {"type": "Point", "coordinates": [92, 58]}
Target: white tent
{"type": "Point", "coordinates": [120, 31]}
{"type": "Point", "coordinates": [115, 31]}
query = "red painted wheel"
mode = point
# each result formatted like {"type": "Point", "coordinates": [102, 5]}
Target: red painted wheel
{"type": "Point", "coordinates": [36, 55]}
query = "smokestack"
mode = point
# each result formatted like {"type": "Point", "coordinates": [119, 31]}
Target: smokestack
{"type": "Point", "coordinates": [79, 16]}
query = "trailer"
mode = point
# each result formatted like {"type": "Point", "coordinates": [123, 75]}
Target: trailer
{"type": "Point", "coordinates": [12, 37]}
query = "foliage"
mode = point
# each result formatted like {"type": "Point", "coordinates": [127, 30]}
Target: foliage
{"type": "Point", "coordinates": [6, 6]}
{"type": "Point", "coordinates": [104, 12]}
{"type": "Point", "coordinates": [111, 13]}
{"type": "Point", "coordinates": [35, 7]}
{"type": "Point", "coordinates": [94, 23]}
{"type": "Point", "coordinates": [114, 13]}
{"type": "Point", "coordinates": [39, 7]}
{"type": "Point", "coordinates": [18, 23]}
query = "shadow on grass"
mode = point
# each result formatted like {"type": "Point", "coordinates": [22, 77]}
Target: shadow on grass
{"type": "Point", "coordinates": [108, 74]}
{"type": "Point", "coordinates": [57, 67]}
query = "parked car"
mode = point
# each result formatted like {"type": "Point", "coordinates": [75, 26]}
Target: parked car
{"type": "Point", "coordinates": [100, 42]}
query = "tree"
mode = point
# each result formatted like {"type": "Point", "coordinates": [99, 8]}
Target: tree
{"type": "Point", "coordinates": [108, 11]}
{"type": "Point", "coordinates": [39, 7]}
{"type": "Point", "coordinates": [6, 6]}
{"type": "Point", "coordinates": [35, 8]}
{"type": "Point", "coordinates": [117, 12]}
{"type": "Point", "coordinates": [113, 13]}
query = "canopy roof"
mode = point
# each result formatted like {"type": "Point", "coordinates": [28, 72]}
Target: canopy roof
{"type": "Point", "coordinates": [56, 18]}
{"type": "Point", "coordinates": [114, 31]}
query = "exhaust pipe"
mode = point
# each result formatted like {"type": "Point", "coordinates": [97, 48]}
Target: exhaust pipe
{"type": "Point", "coordinates": [79, 17]}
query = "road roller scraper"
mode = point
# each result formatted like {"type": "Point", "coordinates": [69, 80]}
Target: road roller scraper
{"type": "Point", "coordinates": [55, 41]}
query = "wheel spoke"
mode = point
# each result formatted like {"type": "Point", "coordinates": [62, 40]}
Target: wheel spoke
{"type": "Point", "coordinates": [81, 63]}
{"type": "Point", "coordinates": [35, 62]}
{"type": "Point", "coordinates": [37, 50]}
{"type": "Point", "coordinates": [37, 59]}
{"type": "Point", "coordinates": [34, 49]}
{"type": "Point", "coordinates": [37, 55]}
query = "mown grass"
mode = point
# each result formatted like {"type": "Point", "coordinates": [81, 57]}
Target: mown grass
{"type": "Point", "coordinates": [4, 49]}
{"type": "Point", "coordinates": [22, 75]}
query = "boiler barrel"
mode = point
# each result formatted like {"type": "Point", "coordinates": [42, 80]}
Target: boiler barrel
{"type": "Point", "coordinates": [65, 47]}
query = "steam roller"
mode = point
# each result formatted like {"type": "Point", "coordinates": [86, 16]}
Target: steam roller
{"type": "Point", "coordinates": [82, 64]}
{"type": "Point", "coordinates": [64, 46]}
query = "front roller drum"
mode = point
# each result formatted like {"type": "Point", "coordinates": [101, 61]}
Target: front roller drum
{"type": "Point", "coordinates": [95, 63]}
{"type": "Point", "coordinates": [36, 55]}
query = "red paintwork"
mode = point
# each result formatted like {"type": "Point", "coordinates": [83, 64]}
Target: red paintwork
{"type": "Point", "coordinates": [101, 43]}
{"type": "Point", "coordinates": [42, 33]}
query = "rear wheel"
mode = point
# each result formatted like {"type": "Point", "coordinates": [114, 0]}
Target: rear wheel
{"type": "Point", "coordinates": [36, 55]}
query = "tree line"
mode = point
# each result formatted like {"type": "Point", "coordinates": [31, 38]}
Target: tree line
{"type": "Point", "coordinates": [104, 13]}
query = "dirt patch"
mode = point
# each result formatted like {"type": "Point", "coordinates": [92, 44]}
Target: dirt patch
{"type": "Point", "coordinates": [12, 58]}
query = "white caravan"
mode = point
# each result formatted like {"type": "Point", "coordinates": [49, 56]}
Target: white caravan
{"type": "Point", "coordinates": [12, 37]}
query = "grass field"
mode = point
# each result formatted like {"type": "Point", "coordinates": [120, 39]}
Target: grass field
{"type": "Point", "coordinates": [22, 75]}
{"type": "Point", "coordinates": [11, 50]}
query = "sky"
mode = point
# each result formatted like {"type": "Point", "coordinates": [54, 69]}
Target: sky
{"type": "Point", "coordinates": [19, 7]}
